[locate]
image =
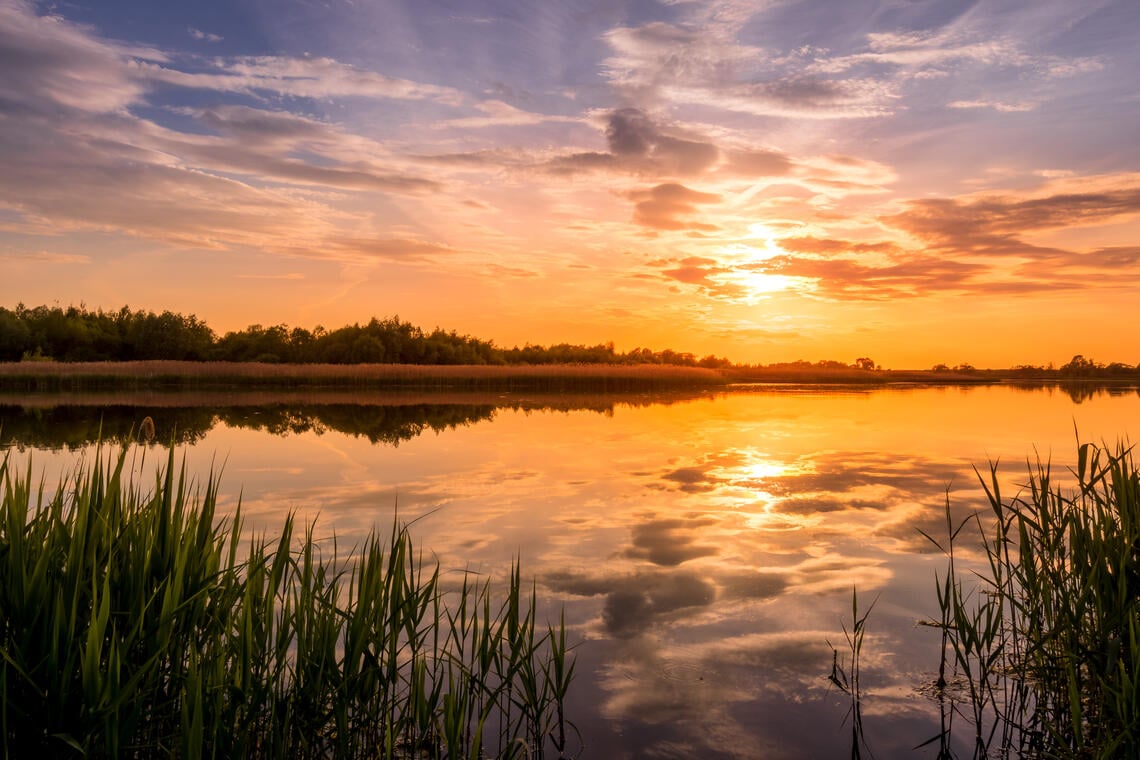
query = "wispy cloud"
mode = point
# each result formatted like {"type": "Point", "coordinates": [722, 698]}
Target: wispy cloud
{"type": "Point", "coordinates": [975, 244]}
{"type": "Point", "coordinates": [709, 66]}
{"type": "Point", "coordinates": [997, 105]}
{"type": "Point", "coordinates": [198, 34]}
{"type": "Point", "coordinates": [301, 77]}
{"type": "Point", "coordinates": [70, 106]}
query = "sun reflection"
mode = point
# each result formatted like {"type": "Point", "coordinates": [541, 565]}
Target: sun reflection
{"type": "Point", "coordinates": [750, 483]}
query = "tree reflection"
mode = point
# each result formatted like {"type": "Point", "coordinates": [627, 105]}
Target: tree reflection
{"type": "Point", "coordinates": [37, 422]}
{"type": "Point", "coordinates": [73, 427]}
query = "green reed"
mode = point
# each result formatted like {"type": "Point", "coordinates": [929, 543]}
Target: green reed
{"type": "Point", "coordinates": [1044, 641]}
{"type": "Point", "coordinates": [845, 674]}
{"type": "Point", "coordinates": [137, 623]}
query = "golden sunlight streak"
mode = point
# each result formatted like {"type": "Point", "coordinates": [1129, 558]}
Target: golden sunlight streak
{"type": "Point", "coordinates": [745, 486]}
{"type": "Point", "coordinates": [744, 272]}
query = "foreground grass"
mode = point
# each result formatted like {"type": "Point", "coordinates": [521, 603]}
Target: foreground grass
{"type": "Point", "coordinates": [1041, 649]}
{"type": "Point", "coordinates": [137, 624]}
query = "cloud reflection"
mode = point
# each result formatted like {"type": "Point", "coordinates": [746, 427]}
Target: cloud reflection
{"type": "Point", "coordinates": [669, 541]}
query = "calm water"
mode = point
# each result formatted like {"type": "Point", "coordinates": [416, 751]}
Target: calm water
{"type": "Point", "coordinates": [704, 548]}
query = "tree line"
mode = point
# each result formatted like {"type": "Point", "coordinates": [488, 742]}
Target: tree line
{"type": "Point", "coordinates": [77, 334]}
{"type": "Point", "coordinates": [1077, 368]}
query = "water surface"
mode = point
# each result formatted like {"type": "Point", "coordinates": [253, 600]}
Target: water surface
{"type": "Point", "coordinates": [705, 547]}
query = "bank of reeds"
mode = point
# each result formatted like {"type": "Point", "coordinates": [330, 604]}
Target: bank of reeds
{"type": "Point", "coordinates": [186, 375]}
{"type": "Point", "coordinates": [1041, 648]}
{"type": "Point", "coordinates": [136, 623]}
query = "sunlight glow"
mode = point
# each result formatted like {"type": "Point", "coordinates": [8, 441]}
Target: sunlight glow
{"type": "Point", "coordinates": [746, 274]}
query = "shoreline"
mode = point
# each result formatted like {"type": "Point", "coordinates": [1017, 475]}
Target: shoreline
{"type": "Point", "coordinates": [158, 376]}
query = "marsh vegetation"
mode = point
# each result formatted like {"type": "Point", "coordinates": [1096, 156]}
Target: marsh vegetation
{"type": "Point", "coordinates": [1040, 643]}
{"type": "Point", "coordinates": [134, 622]}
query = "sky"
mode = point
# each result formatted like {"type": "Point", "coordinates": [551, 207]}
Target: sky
{"type": "Point", "coordinates": [918, 182]}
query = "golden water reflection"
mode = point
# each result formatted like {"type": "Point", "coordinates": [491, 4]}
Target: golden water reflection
{"type": "Point", "coordinates": [705, 549]}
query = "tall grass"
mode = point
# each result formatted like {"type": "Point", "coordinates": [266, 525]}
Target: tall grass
{"type": "Point", "coordinates": [136, 623]}
{"type": "Point", "coordinates": [1043, 644]}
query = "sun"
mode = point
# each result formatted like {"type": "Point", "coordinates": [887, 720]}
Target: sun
{"type": "Point", "coordinates": [744, 259]}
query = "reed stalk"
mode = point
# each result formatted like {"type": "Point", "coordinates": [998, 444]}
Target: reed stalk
{"type": "Point", "coordinates": [1045, 637]}
{"type": "Point", "coordinates": [138, 623]}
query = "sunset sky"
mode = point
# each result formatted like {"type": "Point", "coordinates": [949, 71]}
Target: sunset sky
{"type": "Point", "coordinates": [918, 182]}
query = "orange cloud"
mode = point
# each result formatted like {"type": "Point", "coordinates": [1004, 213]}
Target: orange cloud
{"type": "Point", "coordinates": [666, 206]}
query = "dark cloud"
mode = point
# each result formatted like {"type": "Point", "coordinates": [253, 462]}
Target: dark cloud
{"type": "Point", "coordinates": [995, 225]}
{"type": "Point", "coordinates": [630, 132]}
{"type": "Point", "coordinates": [850, 278]}
{"type": "Point", "coordinates": [639, 145]}
{"type": "Point", "coordinates": [691, 479]}
{"type": "Point", "coordinates": [582, 162]}
{"type": "Point", "coordinates": [666, 206]}
{"type": "Point", "coordinates": [963, 242]}
{"type": "Point", "coordinates": [806, 93]}
{"type": "Point", "coordinates": [1121, 257]}
{"type": "Point", "coordinates": [262, 125]}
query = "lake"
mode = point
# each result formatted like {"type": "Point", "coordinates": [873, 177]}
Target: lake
{"type": "Point", "coordinates": [704, 546]}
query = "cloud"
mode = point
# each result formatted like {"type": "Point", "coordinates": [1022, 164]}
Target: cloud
{"type": "Point", "coordinates": [500, 114]}
{"type": "Point", "coordinates": [282, 129]}
{"type": "Point", "coordinates": [386, 248]}
{"type": "Point", "coordinates": [693, 270]}
{"type": "Point", "coordinates": [997, 105]}
{"type": "Point", "coordinates": [50, 64]}
{"type": "Point", "coordinates": [978, 243]}
{"type": "Point", "coordinates": [286, 276]}
{"type": "Point", "coordinates": [640, 145]}
{"type": "Point", "coordinates": [49, 60]}
{"type": "Point", "coordinates": [632, 610]}
{"type": "Point", "coordinates": [198, 34]}
{"type": "Point", "coordinates": [706, 56]}
{"type": "Point", "coordinates": [51, 257]}
{"type": "Point", "coordinates": [72, 103]}
{"type": "Point", "coordinates": [928, 49]}
{"type": "Point", "coordinates": [302, 77]}
{"type": "Point", "coordinates": [832, 246]}
{"type": "Point", "coordinates": [707, 65]}
{"type": "Point", "coordinates": [638, 602]}
{"type": "Point", "coordinates": [667, 206]}
{"type": "Point", "coordinates": [758, 163]}
{"type": "Point", "coordinates": [670, 542]}
{"type": "Point", "coordinates": [994, 223]}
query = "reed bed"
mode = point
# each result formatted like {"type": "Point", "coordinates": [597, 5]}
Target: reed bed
{"type": "Point", "coordinates": [55, 376]}
{"type": "Point", "coordinates": [138, 624]}
{"type": "Point", "coordinates": [851, 376]}
{"type": "Point", "coordinates": [1041, 647]}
